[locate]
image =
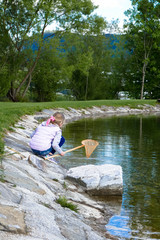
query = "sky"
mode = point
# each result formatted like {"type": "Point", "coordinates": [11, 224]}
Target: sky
{"type": "Point", "coordinates": [109, 9]}
{"type": "Point", "coordinates": [112, 9]}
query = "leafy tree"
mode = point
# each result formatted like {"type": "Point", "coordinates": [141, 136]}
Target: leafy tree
{"type": "Point", "coordinates": [112, 66]}
{"type": "Point", "coordinates": [98, 78]}
{"type": "Point", "coordinates": [92, 59]}
{"type": "Point", "coordinates": [23, 23]}
{"type": "Point", "coordinates": [77, 84]}
{"type": "Point", "coordinates": [51, 72]}
{"type": "Point", "coordinates": [84, 63]}
{"type": "Point", "coordinates": [143, 34]}
{"type": "Point", "coordinates": [153, 85]}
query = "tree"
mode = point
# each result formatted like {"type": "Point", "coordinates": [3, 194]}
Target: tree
{"type": "Point", "coordinates": [84, 63]}
{"type": "Point", "coordinates": [143, 34]}
{"type": "Point", "coordinates": [23, 23]}
{"type": "Point", "coordinates": [91, 57]}
{"type": "Point", "coordinates": [51, 72]}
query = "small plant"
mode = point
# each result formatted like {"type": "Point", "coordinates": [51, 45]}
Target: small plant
{"type": "Point", "coordinates": [2, 176]}
{"type": "Point", "coordinates": [55, 179]}
{"type": "Point", "coordinates": [1, 171]}
{"type": "Point", "coordinates": [21, 127]}
{"type": "Point", "coordinates": [46, 205]}
{"type": "Point", "coordinates": [65, 185]}
{"type": "Point", "coordinates": [2, 179]}
{"type": "Point", "coordinates": [64, 203]}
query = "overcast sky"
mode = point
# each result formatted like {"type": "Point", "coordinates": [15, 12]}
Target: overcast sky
{"type": "Point", "coordinates": [112, 9]}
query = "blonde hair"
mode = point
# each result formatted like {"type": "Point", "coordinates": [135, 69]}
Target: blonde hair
{"type": "Point", "coordinates": [59, 118]}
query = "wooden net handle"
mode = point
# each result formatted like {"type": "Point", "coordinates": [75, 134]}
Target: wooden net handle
{"type": "Point", "coordinates": [70, 150]}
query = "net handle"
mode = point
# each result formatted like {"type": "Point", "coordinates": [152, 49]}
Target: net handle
{"type": "Point", "coordinates": [70, 150]}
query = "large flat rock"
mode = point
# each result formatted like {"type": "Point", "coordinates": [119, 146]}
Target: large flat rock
{"type": "Point", "coordinates": [99, 180]}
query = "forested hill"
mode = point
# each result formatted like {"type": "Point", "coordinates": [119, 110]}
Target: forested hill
{"type": "Point", "coordinates": [113, 39]}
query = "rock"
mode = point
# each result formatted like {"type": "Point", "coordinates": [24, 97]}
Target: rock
{"type": "Point", "coordinates": [12, 220]}
{"type": "Point", "coordinates": [37, 162]}
{"type": "Point", "coordinates": [41, 221]}
{"type": "Point", "coordinates": [32, 185]}
{"type": "Point", "coordinates": [100, 180]}
{"type": "Point", "coordinates": [73, 229]}
{"type": "Point", "coordinates": [19, 178]}
{"type": "Point", "coordinates": [7, 193]}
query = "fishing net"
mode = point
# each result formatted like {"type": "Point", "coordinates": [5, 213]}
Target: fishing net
{"type": "Point", "coordinates": [90, 146]}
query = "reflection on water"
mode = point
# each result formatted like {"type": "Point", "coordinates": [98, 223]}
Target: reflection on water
{"type": "Point", "coordinates": [134, 143]}
{"type": "Point", "coordinates": [118, 226]}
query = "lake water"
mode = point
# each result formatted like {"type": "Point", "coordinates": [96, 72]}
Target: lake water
{"type": "Point", "coordinates": [132, 142]}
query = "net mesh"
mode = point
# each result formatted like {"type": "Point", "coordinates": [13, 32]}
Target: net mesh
{"type": "Point", "coordinates": [90, 146]}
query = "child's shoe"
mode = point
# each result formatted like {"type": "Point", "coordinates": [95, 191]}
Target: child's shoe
{"type": "Point", "coordinates": [51, 159]}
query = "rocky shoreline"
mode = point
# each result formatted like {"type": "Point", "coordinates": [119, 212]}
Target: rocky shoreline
{"type": "Point", "coordinates": [30, 186]}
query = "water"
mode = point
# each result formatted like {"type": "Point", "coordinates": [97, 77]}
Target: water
{"type": "Point", "coordinates": [134, 143]}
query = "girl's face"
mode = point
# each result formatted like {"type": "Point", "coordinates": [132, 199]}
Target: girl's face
{"type": "Point", "coordinates": [61, 124]}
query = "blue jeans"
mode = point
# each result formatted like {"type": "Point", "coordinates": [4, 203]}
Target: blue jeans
{"type": "Point", "coordinates": [50, 150]}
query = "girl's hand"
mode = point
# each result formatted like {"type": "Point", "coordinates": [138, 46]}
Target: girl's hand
{"type": "Point", "coordinates": [62, 153]}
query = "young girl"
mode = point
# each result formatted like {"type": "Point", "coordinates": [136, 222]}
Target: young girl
{"type": "Point", "coordinates": [47, 138]}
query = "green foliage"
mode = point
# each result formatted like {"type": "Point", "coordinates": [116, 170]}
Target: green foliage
{"type": "Point", "coordinates": [100, 79]}
{"type": "Point", "coordinates": [64, 203]}
{"type": "Point", "coordinates": [1, 142]}
{"type": "Point", "coordinates": [83, 61]}
{"type": "Point", "coordinates": [91, 58]}
{"type": "Point", "coordinates": [1, 172]}
{"type": "Point", "coordinates": [65, 185]}
{"type": "Point", "coordinates": [51, 73]}
{"type": "Point", "coordinates": [77, 84]}
{"type": "Point", "coordinates": [4, 83]}
{"type": "Point", "coordinates": [142, 41]}
{"type": "Point", "coordinates": [23, 23]}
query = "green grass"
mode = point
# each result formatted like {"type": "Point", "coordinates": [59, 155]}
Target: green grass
{"type": "Point", "coordinates": [10, 112]}
{"type": "Point", "coordinates": [64, 203]}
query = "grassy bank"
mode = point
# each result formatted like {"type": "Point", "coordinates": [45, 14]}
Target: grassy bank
{"type": "Point", "coordinates": [11, 112]}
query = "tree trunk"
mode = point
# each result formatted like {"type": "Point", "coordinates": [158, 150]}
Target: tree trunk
{"type": "Point", "coordinates": [26, 89]}
{"type": "Point", "coordinates": [86, 88]}
{"type": "Point", "coordinates": [143, 80]}
{"type": "Point", "coordinates": [11, 94]}
{"type": "Point", "coordinates": [29, 72]}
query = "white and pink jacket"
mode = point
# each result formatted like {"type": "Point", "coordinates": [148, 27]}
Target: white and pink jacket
{"type": "Point", "coordinates": [45, 137]}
